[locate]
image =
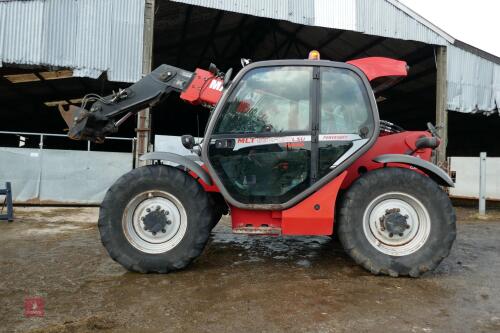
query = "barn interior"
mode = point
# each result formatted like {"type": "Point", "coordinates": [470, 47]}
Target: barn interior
{"type": "Point", "coordinates": [189, 36]}
{"type": "Point", "coordinates": [30, 99]}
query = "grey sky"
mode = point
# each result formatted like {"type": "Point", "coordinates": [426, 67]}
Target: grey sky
{"type": "Point", "coordinates": [473, 22]}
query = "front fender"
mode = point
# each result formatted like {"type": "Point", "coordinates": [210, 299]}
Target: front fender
{"type": "Point", "coordinates": [432, 170]}
{"type": "Point", "coordinates": [181, 160]}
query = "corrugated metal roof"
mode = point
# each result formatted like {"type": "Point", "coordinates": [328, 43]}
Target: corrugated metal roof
{"type": "Point", "coordinates": [357, 15]}
{"type": "Point", "coordinates": [340, 14]}
{"type": "Point", "coordinates": [384, 18]}
{"type": "Point", "coordinates": [90, 36]}
{"type": "Point", "coordinates": [296, 11]}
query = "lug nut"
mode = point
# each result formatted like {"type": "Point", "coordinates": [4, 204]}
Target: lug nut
{"type": "Point", "coordinates": [148, 210]}
{"type": "Point", "coordinates": [154, 233]}
{"type": "Point", "coordinates": [169, 222]}
{"type": "Point", "coordinates": [391, 235]}
{"type": "Point", "coordinates": [401, 235]}
{"type": "Point", "coordinates": [167, 212]}
{"type": "Point", "coordinates": [158, 207]}
{"type": "Point", "coordinates": [163, 230]}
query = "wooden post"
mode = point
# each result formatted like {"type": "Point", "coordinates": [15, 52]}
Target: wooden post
{"type": "Point", "coordinates": [442, 104]}
{"type": "Point", "coordinates": [144, 117]}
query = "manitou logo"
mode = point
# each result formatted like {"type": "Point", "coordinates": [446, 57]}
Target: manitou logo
{"type": "Point", "coordinates": [216, 85]}
{"type": "Point", "coordinates": [246, 140]}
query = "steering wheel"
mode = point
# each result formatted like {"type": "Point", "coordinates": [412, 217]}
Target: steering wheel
{"type": "Point", "coordinates": [434, 130]}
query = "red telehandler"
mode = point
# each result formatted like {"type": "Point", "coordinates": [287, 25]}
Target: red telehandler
{"type": "Point", "coordinates": [291, 147]}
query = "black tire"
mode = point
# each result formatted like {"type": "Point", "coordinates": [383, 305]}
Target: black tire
{"type": "Point", "coordinates": [374, 184]}
{"type": "Point", "coordinates": [219, 207]}
{"type": "Point", "coordinates": [155, 178]}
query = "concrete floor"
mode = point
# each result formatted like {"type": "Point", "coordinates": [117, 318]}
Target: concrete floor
{"type": "Point", "coordinates": [240, 284]}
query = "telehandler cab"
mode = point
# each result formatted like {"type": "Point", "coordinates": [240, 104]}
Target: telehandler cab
{"type": "Point", "coordinates": [291, 147]}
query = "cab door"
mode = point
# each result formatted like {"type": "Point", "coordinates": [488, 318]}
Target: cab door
{"type": "Point", "coordinates": [285, 129]}
{"type": "Point", "coordinates": [260, 145]}
{"type": "Point", "coordinates": [346, 121]}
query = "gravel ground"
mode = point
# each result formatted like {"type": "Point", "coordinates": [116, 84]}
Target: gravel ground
{"type": "Point", "coordinates": [240, 283]}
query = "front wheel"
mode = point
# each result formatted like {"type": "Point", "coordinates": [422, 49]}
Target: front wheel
{"type": "Point", "coordinates": [397, 222]}
{"type": "Point", "coordinates": [155, 219]}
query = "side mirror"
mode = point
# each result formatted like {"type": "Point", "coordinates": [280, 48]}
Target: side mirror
{"type": "Point", "coordinates": [227, 77]}
{"type": "Point", "coordinates": [188, 141]}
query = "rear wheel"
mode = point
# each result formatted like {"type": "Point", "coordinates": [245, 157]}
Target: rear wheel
{"type": "Point", "coordinates": [397, 222]}
{"type": "Point", "coordinates": [155, 219]}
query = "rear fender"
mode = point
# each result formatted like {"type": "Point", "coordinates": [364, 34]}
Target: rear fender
{"type": "Point", "coordinates": [184, 161]}
{"type": "Point", "coordinates": [433, 171]}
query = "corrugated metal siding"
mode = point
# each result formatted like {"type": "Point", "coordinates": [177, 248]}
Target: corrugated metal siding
{"type": "Point", "coordinates": [473, 82]}
{"type": "Point", "coordinates": [382, 18]}
{"type": "Point", "coordinates": [296, 11]}
{"type": "Point", "coordinates": [358, 15]}
{"type": "Point", "coordinates": [340, 14]}
{"type": "Point", "coordinates": [90, 36]}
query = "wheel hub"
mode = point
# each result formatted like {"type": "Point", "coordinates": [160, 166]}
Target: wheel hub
{"type": "Point", "coordinates": [156, 221]}
{"type": "Point", "coordinates": [394, 222]}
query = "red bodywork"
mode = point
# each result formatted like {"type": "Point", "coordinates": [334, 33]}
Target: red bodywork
{"type": "Point", "coordinates": [304, 219]}
{"type": "Point", "coordinates": [205, 88]}
{"type": "Point", "coordinates": [315, 214]}
{"type": "Point", "coordinates": [378, 67]}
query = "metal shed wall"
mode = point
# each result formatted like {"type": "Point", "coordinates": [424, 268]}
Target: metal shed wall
{"type": "Point", "coordinates": [473, 82]}
{"type": "Point", "coordinates": [385, 18]}
{"type": "Point", "coordinates": [89, 36]}
{"type": "Point", "coordinates": [356, 15]}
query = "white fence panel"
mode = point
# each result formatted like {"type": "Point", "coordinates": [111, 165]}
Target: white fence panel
{"type": "Point", "coordinates": [61, 176]}
{"type": "Point", "coordinates": [467, 177]}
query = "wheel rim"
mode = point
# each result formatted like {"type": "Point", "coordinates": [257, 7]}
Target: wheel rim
{"type": "Point", "coordinates": [154, 222]}
{"type": "Point", "coordinates": [396, 224]}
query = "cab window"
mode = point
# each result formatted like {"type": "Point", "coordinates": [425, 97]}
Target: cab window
{"type": "Point", "coordinates": [346, 119]}
{"type": "Point", "coordinates": [269, 100]}
{"type": "Point", "coordinates": [345, 108]}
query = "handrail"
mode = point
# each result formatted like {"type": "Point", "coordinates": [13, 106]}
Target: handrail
{"type": "Point", "coordinates": [43, 135]}
{"type": "Point", "coordinates": [60, 135]}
